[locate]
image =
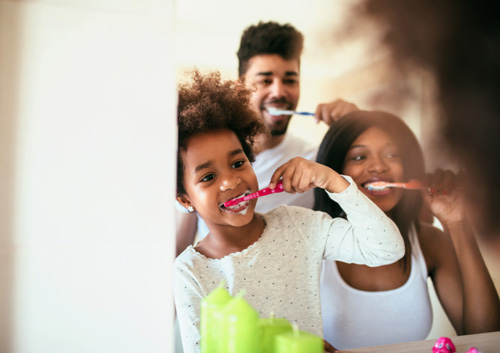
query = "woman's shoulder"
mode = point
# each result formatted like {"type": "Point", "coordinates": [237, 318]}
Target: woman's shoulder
{"type": "Point", "coordinates": [434, 242]}
{"type": "Point", "coordinates": [429, 233]}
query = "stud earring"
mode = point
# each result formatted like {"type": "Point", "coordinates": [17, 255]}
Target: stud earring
{"type": "Point", "coordinates": [190, 209]}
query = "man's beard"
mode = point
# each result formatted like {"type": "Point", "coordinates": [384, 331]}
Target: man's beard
{"type": "Point", "coordinates": [279, 131]}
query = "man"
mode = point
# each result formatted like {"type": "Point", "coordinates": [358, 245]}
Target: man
{"type": "Point", "coordinates": [269, 62]}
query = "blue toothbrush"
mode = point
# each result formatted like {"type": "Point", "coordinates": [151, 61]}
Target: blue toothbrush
{"type": "Point", "coordinates": [276, 111]}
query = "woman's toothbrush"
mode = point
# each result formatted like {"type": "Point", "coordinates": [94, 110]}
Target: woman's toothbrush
{"type": "Point", "coordinates": [381, 185]}
{"type": "Point", "coordinates": [263, 192]}
{"type": "Point", "coordinates": [276, 111]}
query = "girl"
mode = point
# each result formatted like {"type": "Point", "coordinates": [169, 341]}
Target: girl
{"type": "Point", "coordinates": [275, 257]}
{"type": "Point", "coordinates": [364, 306]}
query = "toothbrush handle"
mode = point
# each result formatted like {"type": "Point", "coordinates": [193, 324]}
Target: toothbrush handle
{"type": "Point", "coordinates": [266, 191]}
{"type": "Point", "coordinates": [304, 113]}
{"type": "Point", "coordinates": [410, 185]}
{"type": "Point", "coordinates": [415, 185]}
{"type": "Point", "coordinates": [263, 192]}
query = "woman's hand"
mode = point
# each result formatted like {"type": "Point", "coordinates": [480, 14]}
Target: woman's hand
{"type": "Point", "coordinates": [300, 175]}
{"type": "Point", "coordinates": [444, 197]}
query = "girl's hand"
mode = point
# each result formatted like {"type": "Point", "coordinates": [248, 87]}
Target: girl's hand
{"type": "Point", "coordinates": [445, 198]}
{"type": "Point", "coordinates": [300, 175]}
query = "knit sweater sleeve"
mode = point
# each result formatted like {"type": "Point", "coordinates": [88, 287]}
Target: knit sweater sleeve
{"type": "Point", "coordinates": [187, 295]}
{"type": "Point", "coordinates": [367, 237]}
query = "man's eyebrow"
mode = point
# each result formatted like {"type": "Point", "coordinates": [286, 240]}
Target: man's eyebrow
{"type": "Point", "coordinates": [264, 73]}
{"type": "Point", "coordinates": [270, 73]}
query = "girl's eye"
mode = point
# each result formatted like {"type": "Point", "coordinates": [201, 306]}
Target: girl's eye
{"type": "Point", "coordinates": [208, 177]}
{"type": "Point", "coordinates": [238, 164]}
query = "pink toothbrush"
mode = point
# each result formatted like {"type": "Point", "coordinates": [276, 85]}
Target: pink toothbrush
{"type": "Point", "coordinates": [412, 185]}
{"type": "Point", "coordinates": [263, 192]}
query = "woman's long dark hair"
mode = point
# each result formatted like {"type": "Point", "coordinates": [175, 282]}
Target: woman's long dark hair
{"type": "Point", "coordinates": [335, 145]}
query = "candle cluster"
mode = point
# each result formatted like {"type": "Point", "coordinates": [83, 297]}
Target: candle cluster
{"type": "Point", "coordinates": [231, 325]}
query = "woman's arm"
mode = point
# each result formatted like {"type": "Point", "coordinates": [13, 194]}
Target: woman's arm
{"type": "Point", "coordinates": [461, 278]}
{"type": "Point", "coordinates": [481, 302]}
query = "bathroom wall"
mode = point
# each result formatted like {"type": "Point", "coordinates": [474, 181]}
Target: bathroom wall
{"type": "Point", "coordinates": [87, 149]}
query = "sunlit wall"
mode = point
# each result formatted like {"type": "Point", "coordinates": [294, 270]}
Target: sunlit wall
{"type": "Point", "coordinates": [87, 150]}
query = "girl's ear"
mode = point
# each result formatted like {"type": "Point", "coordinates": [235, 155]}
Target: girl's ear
{"type": "Point", "coordinates": [184, 201]}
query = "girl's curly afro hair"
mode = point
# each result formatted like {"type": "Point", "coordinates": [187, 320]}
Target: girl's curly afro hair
{"type": "Point", "coordinates": [208, 103]}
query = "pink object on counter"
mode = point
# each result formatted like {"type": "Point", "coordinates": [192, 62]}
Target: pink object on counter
{"type": "Point", "coordinates": [473, 350]}
{"type": "Point", "coordinates": [263, 192]}
{"type": "Point", "coordinates": [444, 345]}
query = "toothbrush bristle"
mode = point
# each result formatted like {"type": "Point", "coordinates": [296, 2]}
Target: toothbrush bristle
{"type": "Point", "coordinates": [377, 185]}
{"type": "Point", "coordinates": [274, 111]}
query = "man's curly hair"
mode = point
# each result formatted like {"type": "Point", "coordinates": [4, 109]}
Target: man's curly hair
{"type": "Point", "coordinates": [206, 104]}
{"type": "Point", "coordinates": [269, 38]}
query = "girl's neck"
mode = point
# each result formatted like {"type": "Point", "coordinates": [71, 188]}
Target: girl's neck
{"type": "Point", "coordinates": [223, 241]}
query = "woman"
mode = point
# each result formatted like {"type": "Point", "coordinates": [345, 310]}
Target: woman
{"type": "Point", "coordinates": [363, 306]}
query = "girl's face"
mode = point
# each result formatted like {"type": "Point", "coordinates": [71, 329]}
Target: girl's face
{"type": "Point", "coordinates": [374, 156]}
{"type": "Point", "coordinates": [217, 170]}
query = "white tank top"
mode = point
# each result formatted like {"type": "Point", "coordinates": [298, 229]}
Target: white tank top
{"type": "Point", "coordinates": [354, 318]}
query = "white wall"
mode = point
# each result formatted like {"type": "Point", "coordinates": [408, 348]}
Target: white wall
{"type": "Point", "coordinates": [87, 153]}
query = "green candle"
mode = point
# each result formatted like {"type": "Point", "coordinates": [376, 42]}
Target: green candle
{"type": "Point", "coordinates": [210, 318]}
{"type": "Point", "coordinates": [298, 342]}
{"type": "Point", "coordinates": [269, 328]}
{"type": "Point", "coordinates": [240, 329]}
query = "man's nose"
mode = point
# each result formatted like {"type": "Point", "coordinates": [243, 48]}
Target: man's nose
{"type": "Point", "coordinates": [278, 89]}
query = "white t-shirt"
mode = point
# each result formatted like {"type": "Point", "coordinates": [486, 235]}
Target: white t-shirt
{"type": "Point", "coordinates": [269, 160]}
{"type": "Point", "coordinates": [264, 166]}
{"type": "Point", "coordinates": [281, 271]}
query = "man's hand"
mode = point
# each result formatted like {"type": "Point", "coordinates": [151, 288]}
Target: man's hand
{"type": "Point", "coordinates": [331, 112]}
